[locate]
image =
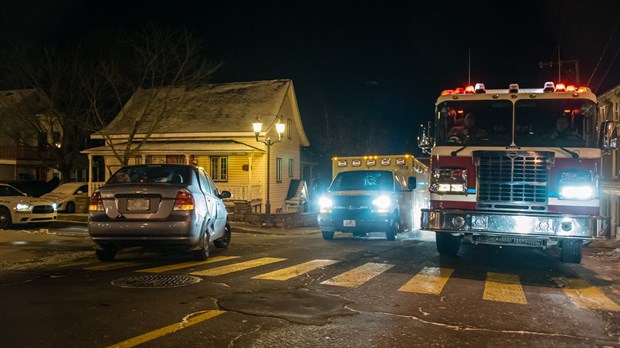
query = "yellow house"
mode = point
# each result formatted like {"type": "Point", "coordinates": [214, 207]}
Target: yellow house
{"type": "Point", "coordinates": [211, 126]}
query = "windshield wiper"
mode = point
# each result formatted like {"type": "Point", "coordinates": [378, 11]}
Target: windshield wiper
{"type": "Point", "coordinates": [572, 153]}
{"type": "Point", "coordinates": [455, 152]}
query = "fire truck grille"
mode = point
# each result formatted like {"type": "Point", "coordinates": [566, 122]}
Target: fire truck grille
{"type": "Point", "coordinates": [512, 240]}
{"type": "Point", "coordinates": [513, 180]}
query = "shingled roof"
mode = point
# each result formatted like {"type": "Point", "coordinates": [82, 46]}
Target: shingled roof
{"type": "Point", "coordinates": [227, 107]}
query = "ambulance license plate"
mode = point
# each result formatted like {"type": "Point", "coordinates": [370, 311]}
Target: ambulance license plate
{"type": "Point", "coordinates": [348, 223]}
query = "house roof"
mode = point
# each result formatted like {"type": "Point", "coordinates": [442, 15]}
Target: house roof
{"type": "Point", "coordinates": [216, 108]}
{"type": "Point", "coordinates": [170, 147]}
{"type": "Point", "coordinates": [23, 100]}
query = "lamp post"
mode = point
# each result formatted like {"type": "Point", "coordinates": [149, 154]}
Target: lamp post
{"type": "Point", "coordinates": [258, 126]}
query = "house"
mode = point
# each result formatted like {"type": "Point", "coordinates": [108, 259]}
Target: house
{"type": "Point", "coordinates": [23, 155]}
{"type": "Point", "coordinates": [609, 110]}
{"type": "Point", "coordinates": [211, 126]}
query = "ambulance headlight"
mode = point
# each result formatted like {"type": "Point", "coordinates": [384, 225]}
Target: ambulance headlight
{"type": "Point", "coordinates": [325, 205]}
{"type": "Point", "coordinates": [577, 184]}
{"type": "Point", "coordinates": [382, 204]}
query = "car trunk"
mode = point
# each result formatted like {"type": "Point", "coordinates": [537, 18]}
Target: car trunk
{"type": "Point", "coordinates": [139, 201]}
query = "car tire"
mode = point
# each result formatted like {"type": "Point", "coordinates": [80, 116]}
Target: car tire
{"type": "Point", "coordinates": [447, 244]}
{"type": "Point", "coordinates": [5, 218]}
{"type": "Point", "coordinates": [202, 254]}
{"type": "Point", "coordinates": [70, 209]}
{"type": "Point", "coordinates": [328, 235]}
{"type": "Point", "coordinates": [223, 242]}
{"type": "Point", "coordinates": [393, 229]}
{"type": "Point", "coordinates": [571, 250]}
{"type": "Point", "coordinates": [106, 254]}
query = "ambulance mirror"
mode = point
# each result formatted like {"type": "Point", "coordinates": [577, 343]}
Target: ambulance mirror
{"type": "Point", "coordinates": [424, 138]}
{"type": "Point", "coordinates": [608, 135]}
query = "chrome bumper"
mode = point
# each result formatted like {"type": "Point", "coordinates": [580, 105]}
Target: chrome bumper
{"type": "Point", "coordinates": [541, 225]}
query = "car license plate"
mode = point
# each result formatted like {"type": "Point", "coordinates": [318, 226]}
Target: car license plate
{"type": "Point", "coordinates": [138, 204]}
{"type": "Point", "coordinates": [348, 223]}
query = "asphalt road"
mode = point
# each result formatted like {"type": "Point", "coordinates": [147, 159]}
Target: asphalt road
{"type": "Point", "coordinates": [293, 289]}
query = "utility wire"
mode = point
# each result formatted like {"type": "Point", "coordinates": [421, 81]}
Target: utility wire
{"type": "Point", "coordinates": [606, 71]}
{"type": "Point", "coordinates": [604, 50]}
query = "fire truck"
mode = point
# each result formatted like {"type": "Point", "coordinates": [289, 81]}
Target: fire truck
{"type": "Point", "coordinates": [525, 172]}
{"type": "Point", "coordinates": [374, 194]}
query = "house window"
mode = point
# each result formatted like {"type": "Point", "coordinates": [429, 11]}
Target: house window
{"type": "Point", "coordinates": [148, 159]}
{"type": "Point", "coordinates": [175, 159]}
{"type": "Point", "coordinates": [289, 128]}
{"type": "Point", "coordinates": [278, 169]}
{"type": "Point", "coordinates": [219, 168]}
{"type": "Point", "coordinates": [138, 159]}
{"type": "Point", "coordinates": [291, 169]}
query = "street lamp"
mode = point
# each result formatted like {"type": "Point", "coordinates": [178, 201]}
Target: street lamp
{"type": "Point", "coordinates": [258, 126]}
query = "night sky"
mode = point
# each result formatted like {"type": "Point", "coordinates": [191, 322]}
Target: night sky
{"type": "Point", "coordinates": [378, 63]}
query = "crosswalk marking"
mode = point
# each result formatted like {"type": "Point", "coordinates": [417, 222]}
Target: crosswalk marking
{"type": "Point", "coordinates": [294, 271]}
{"type": "Point", "coordinates": [584, 295]}
{"type": "Point", "coordinates": [112, 265]}
{"type": "Point", "coordinates": [237, 266]}
{"type": "Point", "coordinates": [187, 264]}
{"type": "Point", "coordinates": [502, 287]}
{"type": "Point", "coordinates": [359, 275]}
{"type": "Point", "coordinates": [430, 280]}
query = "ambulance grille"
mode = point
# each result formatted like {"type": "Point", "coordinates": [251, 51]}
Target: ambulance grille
{"type": "Point", "coordinates": [513, 180]}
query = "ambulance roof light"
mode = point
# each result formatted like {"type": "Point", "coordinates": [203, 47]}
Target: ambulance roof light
{"type": "Point", "coordinates": [560, 87]}
{"type": "Point", "coordinates": [549, 87]}
{"type": "Point", "coordinates": [570, 88]}
{"type": "Point", "coordinates": [470, 89]}
{"type": "Point", "coordinates": [480, 88]}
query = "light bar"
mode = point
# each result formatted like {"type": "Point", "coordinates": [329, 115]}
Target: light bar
{"type": "Point", "coordinates": [513, 88]}
{"type": "Point", "coordinates": [549, 87]}
{"type": "Point", "coordinates": [480, 88]}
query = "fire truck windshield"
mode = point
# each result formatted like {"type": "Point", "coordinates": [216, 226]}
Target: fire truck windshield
{"type": "Point", "coordinates": [537, 122]}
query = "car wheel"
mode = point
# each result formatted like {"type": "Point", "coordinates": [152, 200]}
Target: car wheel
{"type": "Point", "coordinates": [70, 209]}
{"type": "Point", "coordinates": [223, 242]}
{"type": "Point", "coordinates": [5, 218]}
{"type": "Point", "coordinates": [327, 235]}
{"type": "Point", "coordinates": [447, 244]}
{"type": "Point", "coordinates": [571, 250]}
{"type": "Point", "coordinates": [106, 254]}
{"type": "Point", "coordinates": [202, 254]}
{"type": "Point", "coordinates": [394, 228]}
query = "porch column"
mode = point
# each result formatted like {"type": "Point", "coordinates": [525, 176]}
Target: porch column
{"type": "Point", "coordinates": [90, 174]}
{"type": "Point", "coordinates": [187, 157]}
{"type": "Point", "coordinates": [250, 176]}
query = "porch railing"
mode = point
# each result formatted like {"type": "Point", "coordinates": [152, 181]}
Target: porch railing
{"type": "Point", "coordinates": [242, 192]}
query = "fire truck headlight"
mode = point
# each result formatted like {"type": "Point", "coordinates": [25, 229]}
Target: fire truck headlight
{"type": "Point", "coordinates": [581, 192]}
{"type": "Point", "coordinates": [382, 204]}
{"type": "Point", "coordinates": [449, 181]}
{"type": "Point", "coordinates": [325, 205]}
{"type": "Point", "coordinates": [577, 184]}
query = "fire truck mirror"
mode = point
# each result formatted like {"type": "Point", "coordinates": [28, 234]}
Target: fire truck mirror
{"type": "Point", "coordinates": [424, 138]}
{"type": "Point", "coordinates": [411, 183]}
{"type": "Point", "coordinates": [608, 137]}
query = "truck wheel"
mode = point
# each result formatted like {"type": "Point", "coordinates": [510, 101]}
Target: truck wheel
{"type": "Point", "coordinates": [5, 218]}
{"type": "Point", "coordinates": [328, 235]}
{"type": "Point", "coordinates": [447, 244]}
{"type": "Point", "coordinates": [106, 254]}
{"type": "Point", "coordinates": [394, 228]}
{"type": "Point", "coordinates": [571, 250]}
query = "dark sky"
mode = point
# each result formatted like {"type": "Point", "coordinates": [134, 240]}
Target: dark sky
{"type": "Point", "coordinates": [383, 60]}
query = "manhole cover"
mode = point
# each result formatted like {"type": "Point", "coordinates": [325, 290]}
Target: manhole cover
{"type": "Point", "coordinates": [156, 281]}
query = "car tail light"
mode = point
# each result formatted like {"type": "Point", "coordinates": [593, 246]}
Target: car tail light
{"type": "Point", "coordinates": [184, 201]}
{"type": "Point", "coordinates": [96, 203]}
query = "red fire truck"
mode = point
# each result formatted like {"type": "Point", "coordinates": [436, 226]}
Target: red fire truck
{"type": "Point", "coordinates": [515, 167]}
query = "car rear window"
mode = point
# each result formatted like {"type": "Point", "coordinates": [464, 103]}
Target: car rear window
{"type": "Point", "coordinates": [151, 173]}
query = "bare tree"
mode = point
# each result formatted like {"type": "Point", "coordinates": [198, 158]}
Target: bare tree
{"type": "Point", "coordinates": [154, 67]}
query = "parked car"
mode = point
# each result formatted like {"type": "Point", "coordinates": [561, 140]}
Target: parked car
{"type": "Point", "coordinates": [65, 195]}
{"type": "Point", "coordinates": [158, 205]}
{"type": "Point", "coordinates": [17, 208]}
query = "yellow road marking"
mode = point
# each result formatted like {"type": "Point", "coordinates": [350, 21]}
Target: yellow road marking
{"type": "Point", "coordinates": [79, 263]}
{"type": "Point", "coordinates": [430, 280]}
{"type": "Point", "coordinates": [584, 295]}
{"type": "Point", "coordinates": [187, 264]}
{"type": "Point", "coordinates": [359, 275]}
{"type": "Point", "coordinates": [502, 287]}
{"type": "Point", "coordinates": [237, 267]}
{"type": "Point", "coordinates": [187, 322]}
{"type": "Point", "coordinates": [294, 271]}
{"type": "Point", "coordinates": [112, 265]}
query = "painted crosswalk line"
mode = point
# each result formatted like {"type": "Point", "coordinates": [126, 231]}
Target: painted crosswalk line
{"type": "Point", "coordinates": [237, 267]}
{"type": "Point", "coordinates": [359, 275]}
{"type": "Point", "coordinates": [294, 271]}
{"type": "Point", "coordinates": [584, 295]}
{"type": "Point", "coordinates": [112, 265]}
{"type": "Point", "coordinates": [430, 280]}
{"type": "Point", "coordinates": [187, 264]}
{"type": "Point", "coordinates": [502, 287]}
